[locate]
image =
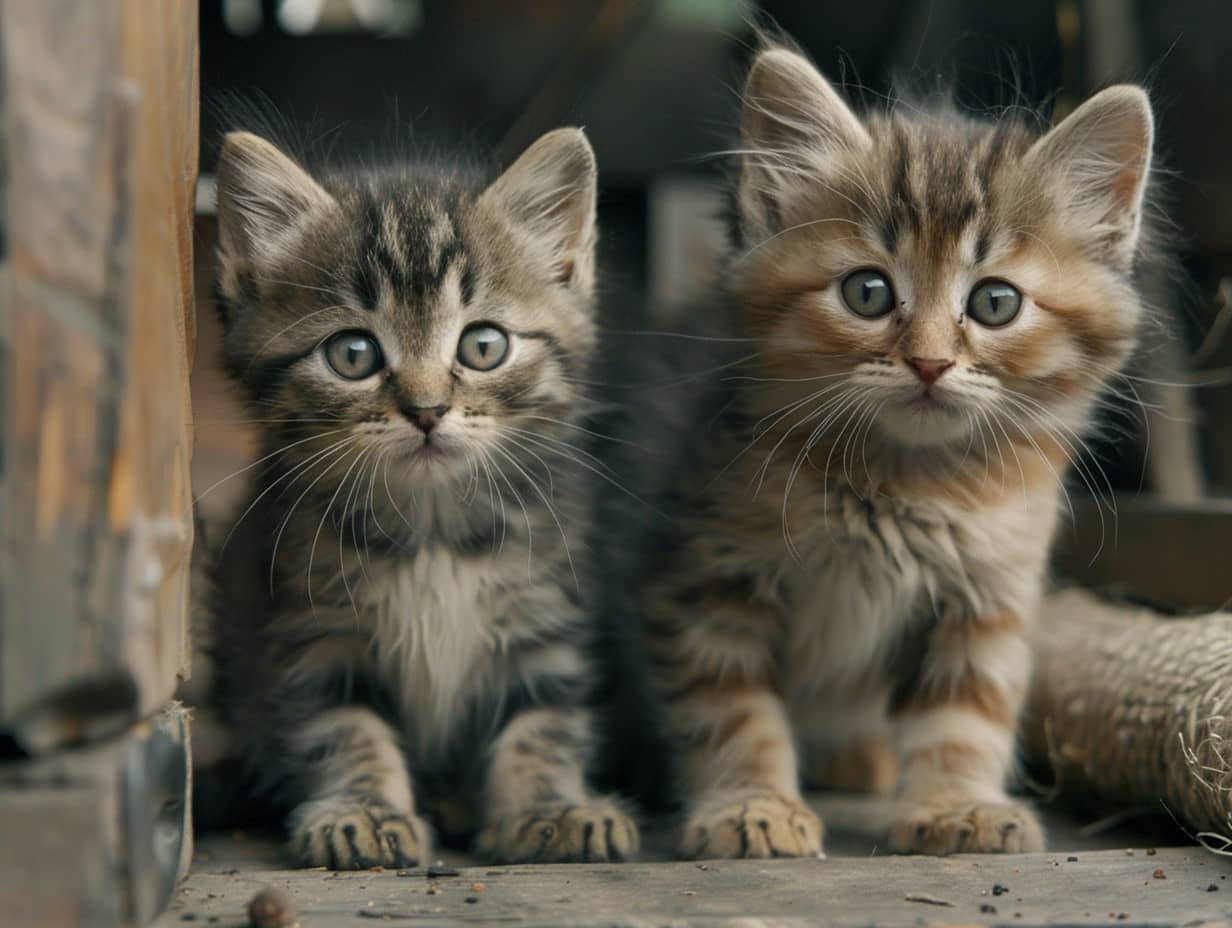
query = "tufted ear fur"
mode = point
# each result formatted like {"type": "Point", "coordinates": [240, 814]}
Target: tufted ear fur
{"type": "Point", "coordinates": [1102, 155]}
{"type": "Point", "coordinates": [263, 199]}
{"type": "Point", "coordinates": [550, 194]}
{"type": "Point", "coordinates": [792, 121]}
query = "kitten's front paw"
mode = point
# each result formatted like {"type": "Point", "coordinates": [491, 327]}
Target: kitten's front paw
{"type": "Point", "coordinates": [969, 828]}
{"type": "Point", "coordinates": [357, 835]}
{"type": "Point", "coordinates": [753, 824]}
{"type": "Point", "coordinates": [592, 832]}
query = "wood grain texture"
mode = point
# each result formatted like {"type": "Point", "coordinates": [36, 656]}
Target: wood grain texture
{"type": "Point", "coordinates": [1100, 888]}
{"type": "Point", "coordinates": [97, 836]}
{"type": "Point", "coordinates": [99, 148]}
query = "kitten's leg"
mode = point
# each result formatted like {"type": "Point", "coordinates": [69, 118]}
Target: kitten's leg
{"type": "Point", "coordinates": [848, 744]}
{"type": "Point", "coordinates": [958, 724]}
{"type": "Point", "coordinates": [739, 771]}
{"type": "Point", "coordinates": [360, 809]}
{"type": "Point", "coordinates": [538, 807]}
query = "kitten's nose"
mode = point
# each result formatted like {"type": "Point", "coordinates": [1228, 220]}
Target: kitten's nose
{"type": "Point", "coordinates": [930, 370]}
{"type": "Point", "coordinates": [426, 418]}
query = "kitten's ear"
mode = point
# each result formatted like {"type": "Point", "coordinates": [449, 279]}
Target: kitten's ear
{"type": "Point", "coordinates": [549, 192]}
{"type": "Point", "coordinates": [1102, 152]}
{"type": "Point", "coordinates": [792, 121]}
{"type": "Point", "coordinates": [262, 196]}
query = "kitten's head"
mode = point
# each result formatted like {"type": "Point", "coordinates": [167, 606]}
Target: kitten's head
{"type": "Point", "coordinates": [420, 316]}
{"type": "Point", "coordinates": [937, 273]}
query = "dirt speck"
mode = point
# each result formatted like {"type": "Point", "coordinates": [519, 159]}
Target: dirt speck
{"type": "Point", "coordinates": [272, 908]}
{"type": "Point", "coordinates": [999, 889]}
{"type": "Point", "coordinates": [1213, 888]}
{"type": "Point", "coordinates": [988, 908]}
{"type": "Point", "coordinates": [1151, 852]}
{"type": "Point", "coordinates": [1159, 875]}
{"type": "Point", "coordinates": [471, 900]}
{"type": "Point", "coordinates": [1071, 859]}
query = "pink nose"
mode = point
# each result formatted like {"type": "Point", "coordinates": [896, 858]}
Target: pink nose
{"type": "Point", "coordinates": [929, 370]}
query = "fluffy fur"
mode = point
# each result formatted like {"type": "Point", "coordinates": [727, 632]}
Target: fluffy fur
{"type": "Point", "coordinates": [860, 536]}
{"type": "Point", "coordinates": [397, 611]}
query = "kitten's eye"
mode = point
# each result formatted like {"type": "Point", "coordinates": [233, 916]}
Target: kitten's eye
{"type": "Point", "coordinates": [483, 347]}
{"type": "Point", "coordinates": [354, 355]}
{"type": "Point", "coordinates": [868, 294]}
{"type": "Point", "coordinates": [994, 303]}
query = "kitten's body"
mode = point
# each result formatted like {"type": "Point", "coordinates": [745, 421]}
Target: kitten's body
{"type": "Point", "coordinates": [398, 613]}
{"type": "Point", "coordinates": [861, 535]}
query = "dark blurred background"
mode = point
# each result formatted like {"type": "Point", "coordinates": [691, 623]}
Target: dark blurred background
{"type": "Point", "coordinates": [654, 82]}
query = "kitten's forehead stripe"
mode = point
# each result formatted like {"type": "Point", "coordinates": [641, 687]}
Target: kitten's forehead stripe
{"type": "Point", "coordinates": [411, 243]}
{"type": "Point", "coordinates": [937, 182]}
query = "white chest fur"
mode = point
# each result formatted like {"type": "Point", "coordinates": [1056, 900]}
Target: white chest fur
{"type": "Point", "coordinates": [869, 567]}
{"type": "Point", "coordinates": [435, 628]}
{"type": "Point", "coordinates": [443, 627]}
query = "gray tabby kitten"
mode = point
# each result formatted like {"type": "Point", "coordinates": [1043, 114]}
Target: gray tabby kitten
{"type": "Point", "coordinates": [397, 611]}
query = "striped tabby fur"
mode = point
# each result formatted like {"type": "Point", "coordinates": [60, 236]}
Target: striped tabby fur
{"type": "Point", "coordinates": [397, 608]}
{"type": "Point", "coordinates": [862, 534]}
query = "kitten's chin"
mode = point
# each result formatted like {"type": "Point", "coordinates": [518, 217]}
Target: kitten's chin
{"type": "Point", "coordinates": [924, 426]}
{"type": "Point", "coordinates": [432, 464]}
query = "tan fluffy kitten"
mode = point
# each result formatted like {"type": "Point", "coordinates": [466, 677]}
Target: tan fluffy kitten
{"type": "Point", "coordinates": [928, 306]}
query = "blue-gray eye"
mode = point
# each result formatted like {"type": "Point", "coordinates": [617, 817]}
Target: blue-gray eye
{"type": "Point", "coordinates": [868, 294]}
{"type": "Point", "coordinates": [994, 303]}
{"type": "Point", "coordinates": [483, 347]}
{"type": "Point", "coordinates": [354, 355]}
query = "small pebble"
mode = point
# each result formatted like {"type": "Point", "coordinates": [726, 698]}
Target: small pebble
{"type": "Point", "coordinates": [1213, 888]}
{"type": "Point", "coordinates": [1122, 916]}
{"type": "Point", "coordinates": [689, 892]}
{"type": "Point", "coordinates": [1159, 875]}
{"type": "Point", "coordinates": [478, 887]}
{"type": "Point", "coordinates": [999, 889]}
{"type": "Point", "coordinates": [1071, 860]}
{"type": "Point", "coordinates": [434, 890]}
{"type": "Point", "coordinates": [988, 908]}
{"type": "Point", "coordinates": [1151, 852]}
{"type": "Point", "coordinates": [472, 899]}
{"type": "Point", "coordinates": [1129, 852]}
{"type": "Point", "coordinates": [271, 908]}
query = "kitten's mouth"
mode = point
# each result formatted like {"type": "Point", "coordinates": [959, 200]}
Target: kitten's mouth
{"type": "Point", "coordinates": [433, 450]}
{"type": "Point", "coordinates": [928, 400]}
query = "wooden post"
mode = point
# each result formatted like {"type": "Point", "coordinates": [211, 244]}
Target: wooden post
{"type": "Point", "coordinates": [98, 161]}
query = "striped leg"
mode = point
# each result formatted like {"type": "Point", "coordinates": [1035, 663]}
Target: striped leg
{"type": "Point", "coordinates": [360, 810]}
{"type": "Point", "coordinates": [847, 743]}
{"type": "Point", "coordinates": [538, 806]}
{"type": "Point", "coordinates": [738, 767]}
{"type": "Point", "coordinates": [957, 728]}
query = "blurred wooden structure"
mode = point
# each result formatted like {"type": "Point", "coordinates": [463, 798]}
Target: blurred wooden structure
{"type": "Point", "coordinates": [98, 156]}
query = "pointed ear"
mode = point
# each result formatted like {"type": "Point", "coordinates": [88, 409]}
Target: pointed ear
{"type": "Point", "coordinates": [262, 196]}
{"type": "Point", "coordinates": [549, 193]}
{"type": "Point", "coordinates": [791, 121]}
{"type": "Point", "coordinates": [1102, 153]}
